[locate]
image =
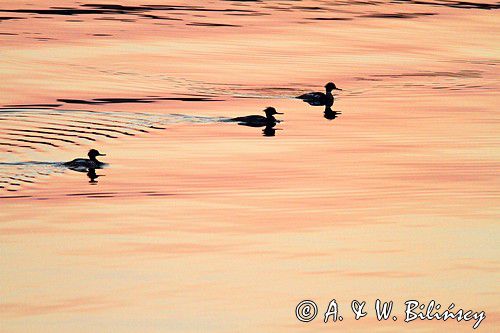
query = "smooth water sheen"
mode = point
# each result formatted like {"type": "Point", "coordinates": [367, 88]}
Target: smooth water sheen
{"type": "Point", "coordinates": [200, 225]}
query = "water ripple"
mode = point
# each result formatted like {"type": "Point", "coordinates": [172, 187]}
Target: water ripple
{"type": "Point", "coordinates": [41, 129]}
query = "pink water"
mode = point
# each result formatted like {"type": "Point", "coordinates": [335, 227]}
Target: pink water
{"type": "Point", "coordinates": [198, 225]}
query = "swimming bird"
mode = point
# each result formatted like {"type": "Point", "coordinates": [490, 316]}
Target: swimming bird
{"type": "Point", "coordinates": [258, 121]}
{"type": "Point", "coordinates": [84, 164]}
{"type": "Point", "coordinates": [319, 98]}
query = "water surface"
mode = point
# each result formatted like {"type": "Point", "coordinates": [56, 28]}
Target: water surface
{"type": "Point", "coordinates": [199, 225]}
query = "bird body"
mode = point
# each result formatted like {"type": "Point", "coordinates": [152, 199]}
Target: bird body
{"type": "Point", "coordinates": [85, 164]}
{"type": "Point", "coordinates": [319, 98]}
{"type": "Point", "coordinates": [253, 121]}
{"type": "Point", "coordinates": [257, 120]}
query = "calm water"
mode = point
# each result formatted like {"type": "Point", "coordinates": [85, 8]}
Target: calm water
{"type": "Point", "coordinates": [198, 225]}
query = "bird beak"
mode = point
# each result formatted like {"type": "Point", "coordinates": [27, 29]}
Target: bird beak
{"type": "Point", "coordinates": [338, 89]}
{"type": "Point", "coordinates": [101, 155]}
{"type": "Point", "coordinates": [279, 113]}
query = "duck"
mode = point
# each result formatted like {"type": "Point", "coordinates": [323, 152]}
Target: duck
{"type": "Point", "coordinates": [319, 98]}
{"type": "Point", "coordinates": [257, 120]}
{"type": "Point", "coordinates": [84, 164]}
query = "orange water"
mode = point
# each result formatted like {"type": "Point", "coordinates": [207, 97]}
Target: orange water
{"type": "Point", "coordinates": [211, 227]}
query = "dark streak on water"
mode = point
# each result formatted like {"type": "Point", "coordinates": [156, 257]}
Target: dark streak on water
{"type": "Point", "coordinates": [96, 9]}
{"type": "Point", "coordinates": [6, 18]}
{"type": "Point", "coordinates": [453, 4]}
{"type": "Point", "coordinates": [458, 74]}
{"type": "Point", "coordinates": [97, 101]}
{"type": "Point", "coordinates": [49, 106]}
{"type": "Point", "coordinates": [330, 18]}
{"type": "Point", "coordinates": [398, 15]}
{"type": "Point", "coordinates": [203, 24]}
{"type": "Point", "coordinates": [115, 11]}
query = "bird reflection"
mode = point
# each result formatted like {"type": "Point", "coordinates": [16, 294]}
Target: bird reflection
{"type": "Point", "coordinates": [92, 176]}
{"type": "Point", "coordinates": [270, 130]}
{"type": "Point", "coordinates": [330, 114]}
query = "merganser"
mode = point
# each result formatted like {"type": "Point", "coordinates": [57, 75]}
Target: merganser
{"type": "Point", "coordinates": [319, 98]}
{"type": "Point", "coordinates": [85, 164]}
{"type": "Point", "coordinates": [258, 121]}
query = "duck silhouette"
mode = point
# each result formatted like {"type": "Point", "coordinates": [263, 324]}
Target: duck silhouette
{"type": "Point", "coordinates": [86, 164]}
{"type": "Point", "coordinates": [257, 120]}
{"type": "Point", "coordinates": [319, 98]}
